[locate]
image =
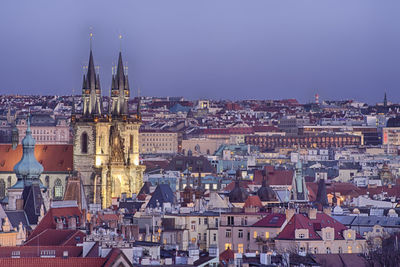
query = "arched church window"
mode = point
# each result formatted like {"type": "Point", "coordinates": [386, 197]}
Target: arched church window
{"type": "Point", "coordinates": [47, 181]}
{"type": "Point", "coordinates": [84, 143]}
{"type": "Point", "coordinates": [2, 188]}
{"type": "Point", "coordinates": [131, 143]}
{"type": "Point", "coordinates": [58, 189]}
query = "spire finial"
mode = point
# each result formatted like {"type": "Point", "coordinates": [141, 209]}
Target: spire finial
{"type": "Point", "coordinates": [91, 37]}
{"type": "Point", "coordinates": [120, 42]}
{"type": "Point", "coordinates": [28, 129]}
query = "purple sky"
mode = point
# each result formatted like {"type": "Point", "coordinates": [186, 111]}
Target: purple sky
{"type": "Point", "coordinates": [232, 49]}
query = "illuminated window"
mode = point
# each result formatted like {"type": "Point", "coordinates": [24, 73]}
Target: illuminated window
{"type": "Point", "coordinates": [228, 246]}
{"type": "Point", "coordinates": [240, 248]}
{"type": "Point", "coordinates": [255, 234]}
{"type": "Point", "coordinates": [194, 240]}
{"type": "Point", "coordinates": [349, 249]}
{"type": "Point", "coordinates": [58, 190]}
{"type": "Point", "coordinates": [348, 235]}
{"type": "Point", "coordinates": [267, 235]}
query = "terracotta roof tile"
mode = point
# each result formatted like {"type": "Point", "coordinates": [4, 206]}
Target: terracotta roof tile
{"type": "Point", "coordinates": [252, 201]}
{"type": "Point", "coordinates": [51, 262]}
{"type": "Point", "coordinates": [54, 158]}
{"type": "Point", "coordinates": [301, 221]}
{"type": "Point", "coordinates": [271, 220]}
{"type": "Point", "coordinates": [33, 251]}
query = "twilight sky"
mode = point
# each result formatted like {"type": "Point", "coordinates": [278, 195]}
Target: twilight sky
{"type": "Point", "coordinates": [231, 49]}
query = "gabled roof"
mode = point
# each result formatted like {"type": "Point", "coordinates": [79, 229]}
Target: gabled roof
{"type": "Point", "coordinates": [271, 220]}
{"type": "Point", "coordinates": [301, 221]}
{"type": "Point", "coordinates": [162, 194]}
{"type": "Point", "coordinates": [49, 220]}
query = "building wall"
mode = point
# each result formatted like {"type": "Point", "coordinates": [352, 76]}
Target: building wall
{"type": "Point", "coordinates": [108, 167]}
{"type": "Point", "coordinates": [202, 146]}
{"type": "Point", "coordinates": [54, 182]}
{"type": "Point", "coordinates": [158, 142]}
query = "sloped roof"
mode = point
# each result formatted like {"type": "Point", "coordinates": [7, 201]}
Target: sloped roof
{"type": "Point", "coordinates": [49, 221]}
{"type": "Point", "coordinates": [338, 260]}
{"type": "Point", "coordinates": [30, 251]}
{"type": "Point", "coordinates": [227, 255]}
{"type": "Point", "coordinates": [53, 237]}
{"type": "Point", "coordinates": [271, 220]}
{"type": "Point", "coordinates": [162, 194]}
{"type": "Point", "coordinates": [54, 158]}
{"type": "Point", "coordinates": [301, 221]}
{"type": "Point", "coordinates": [252, 201]}
{"type": "Point", "coordinates": [274, 177]}
{"type": "Point", "coordinates": [51, 262]}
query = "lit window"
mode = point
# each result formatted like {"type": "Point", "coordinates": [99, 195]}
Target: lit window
{"type": "Point", "coordinates": [267, 235]}
{"type": "Point", "coordinates": [348, 235]}
{"type": "Point", "coordinates": [255, 234]}
{"type": "Point", "coordinates": [240, 248]}
{"type": "Point", "coordinates": [349, 249]}
{"type": "Point", "coordinates": [194, 240]}
{"type": "Point", "coordinates": [228, 246]}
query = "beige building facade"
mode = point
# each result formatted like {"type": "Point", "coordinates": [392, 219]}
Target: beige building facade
{"type": "Point", "coordinates": [158, 142]}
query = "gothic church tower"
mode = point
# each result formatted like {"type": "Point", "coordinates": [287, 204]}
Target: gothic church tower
{"type": "Point", "coordinates": [106, 146]}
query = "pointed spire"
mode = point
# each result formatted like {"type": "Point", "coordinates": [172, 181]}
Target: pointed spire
{"type": "Point", "coordinates": [120, 71]}
{"type": "Point", "coordinates": [322, 197]}
{"type": "Point", "coordinates": [91, 73]}
{"type": "Point", "coordinates": [385, 101]}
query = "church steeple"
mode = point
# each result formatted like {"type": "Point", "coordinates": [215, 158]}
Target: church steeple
{"type": "Point", "coordinates": [91, 92]}
{"type": "Point", "coordinates": [120, 90]}
{"type": "Point", "coordinates": [385, 101]}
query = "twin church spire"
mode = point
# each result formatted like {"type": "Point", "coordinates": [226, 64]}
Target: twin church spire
{"type": "Point", "coordinates": [91, 91]}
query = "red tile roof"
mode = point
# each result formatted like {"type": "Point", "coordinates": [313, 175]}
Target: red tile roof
{"type": "Point", "coordinates": [271, 220]}
{"type": "Point", "coordinates": [53, 237]}
{"type": "Point", "coordinates": [274, 177]}
{"type": "Point", "coordinates": [49, 222]}
{"type": "Point", "coordinates": [54, 158]}
{"type": "Point", "coordinates": [33, 251]}
{"type": "Point", "coordinates": [301, 221]}
{"type": "Point", "coordinates": [227, 255]}
{"type": "Point", "coordinates": [242, 183]}
{"type": "Point", "coordinates": [252, 201]}
{"type": "Point", "coordinates": [52, 262]}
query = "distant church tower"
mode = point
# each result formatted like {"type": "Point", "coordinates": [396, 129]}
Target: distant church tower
{"type": "Point", "coordinates": [106, 146]}
{"type": "Point", "coordinates": [299, 189]}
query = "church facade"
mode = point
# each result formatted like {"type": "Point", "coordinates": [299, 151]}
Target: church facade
{"type": "Point", "coordinates": [106, 144]}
